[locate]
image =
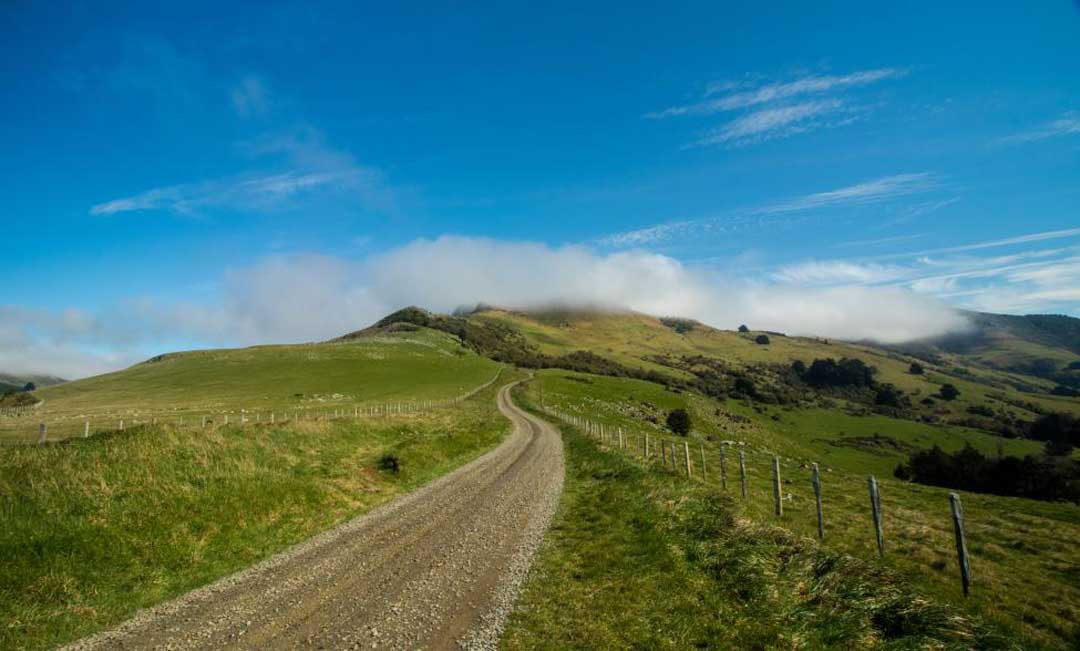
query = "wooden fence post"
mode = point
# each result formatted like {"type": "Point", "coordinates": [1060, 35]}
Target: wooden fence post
{"type": "Point", "coordinates": [777, 494]}
{"type": "Point", "coordinates": [686, 457]}
{"type": "Point", "coordinates": [121, 424]}
{"type": "Point", "coordinates": [663, 453]}
{"type": "Point", "coordinates": [646, 446]}
{"type": "Point", "coordinates": [961, 541]}
{"type": "Point", "coordinates": [723, 468]}
{"type": "Point", "coordinates": [704, 469]}
{"type": "Point", "coordinates": [875, 508]}
{"type": "Point", "coordinates": [42, 433]}
{"type": "Point", "coordinates": [622, 442]}
{"type": "Point", "coordinates": [742, 472]}
{"type": "Point", "coordinates": [816, 480]}
{"type": "Point", "coordinates": [86, 429]}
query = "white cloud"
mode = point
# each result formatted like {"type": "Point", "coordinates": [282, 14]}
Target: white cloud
{"type": "Point", "coordinates": [875, 191]}
{"type": "Point", "coordinates": [313, 297]}
{"type": "Point", "coordinates": [771, 123]}
{"type": "Point", "coordinates": [769, 93]}
{"type": "Point", "coordinates": [1067, 124]}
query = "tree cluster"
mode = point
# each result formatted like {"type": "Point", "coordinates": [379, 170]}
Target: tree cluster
{"type": "Point", "coordinates": [1041, 477]}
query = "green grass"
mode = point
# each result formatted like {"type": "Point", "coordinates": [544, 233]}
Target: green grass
{"type": "Point", "coordinates": [1024, 554]}
{"type": "Point", "coordinates": [405, 366]}
{"type": "Point", "coordinates": [94, 529]}
{"type": "Point", "coordinates": [637, 559]}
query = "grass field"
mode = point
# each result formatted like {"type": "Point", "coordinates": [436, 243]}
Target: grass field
{"type": "Point", "coordinates": [638, 559]}
{"type": "Point", "coordinates": [94, 529]}
{"type": "Point", "coordinates": [1023, 552]}
{"type": "Point", "coordinates": [405, 366]}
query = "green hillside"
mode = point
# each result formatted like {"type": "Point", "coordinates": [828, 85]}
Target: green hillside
{"type": "Point", "coordinates": [378, 368]}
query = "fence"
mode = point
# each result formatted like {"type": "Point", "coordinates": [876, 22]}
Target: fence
{"type": "Point", "coordinates": [83, 426]}
{"type": "Point", "coordinates": [676, 457]}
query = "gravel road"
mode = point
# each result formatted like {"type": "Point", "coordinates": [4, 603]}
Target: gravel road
{"type": "Point", "coordinates": [436, 569]}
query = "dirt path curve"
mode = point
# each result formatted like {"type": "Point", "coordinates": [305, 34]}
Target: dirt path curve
{"type": "Point", "coordinates": [436, 569]}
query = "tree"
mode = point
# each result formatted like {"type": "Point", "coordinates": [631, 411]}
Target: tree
{"type": "Point", "coordinates": [762, 339]}
{"type": "Point", "coordinates": [948, 392]}
{"type": "Point", "coordinates": [887, 396]}
{"type": "Point", "coordinates": [743, 328]}
{"type": "Point", "coordinates": [847, 372]}
{"type": "Point", "coordinates": [916, 369]}
{"type": "Point", "coordinates": [30, 386]}
{"type": "Point", "coordinates": [678, 421]}
{"type": "Point", "coordinates": [1061, 432]}
{"type": "Point", "coordinates": [799, 367]}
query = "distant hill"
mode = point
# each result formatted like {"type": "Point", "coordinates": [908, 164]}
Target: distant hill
{"type": "Point", "coordinates": [12, 382]}
{"type": "Point", "coordinates": [1046, 346]}
{"type": "Point", "coordinates": [1003, 369]}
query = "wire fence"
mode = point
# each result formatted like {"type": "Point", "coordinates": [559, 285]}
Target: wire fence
{"type": "Point", "coordinates": [733, 464]}
{"type": "Point", "coordinates": [39, 430]}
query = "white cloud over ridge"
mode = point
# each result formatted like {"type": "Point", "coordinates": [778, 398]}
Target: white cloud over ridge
{"type": "Point", "coordinates": [313, 297]}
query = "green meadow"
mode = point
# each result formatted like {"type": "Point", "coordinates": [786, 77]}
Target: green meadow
{"type": "Point", "coordinates": [1023, 551]}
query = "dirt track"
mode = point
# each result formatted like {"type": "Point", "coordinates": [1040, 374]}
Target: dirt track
{"type": "Point", "coordinates": [436, 569]}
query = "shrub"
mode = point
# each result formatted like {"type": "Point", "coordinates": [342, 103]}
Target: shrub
{"type": "Point", "coordinates": [762, 339]}
{"type": "Point", "coordinates": [744, 387]}
{"type": "Point", "coordinates": [678, 421]}
{"type": "Point", "coordinates": [948, 392]}
{"type": "Point", "coordinates": [743, 328]}
{"type": "Point", "coordinates": [799, 367]}
{"type": "Point", "coordinates": [389, 463]}
{"type": "Point", "coordinates": [887, 396]}
{"type": "Point", "coordinates": [30, 386]}
{"type": "Point", "coordinates": [916, 369]}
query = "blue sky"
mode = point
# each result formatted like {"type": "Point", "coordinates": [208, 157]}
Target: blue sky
{"type": "Point", "coordinates": [209, 175]}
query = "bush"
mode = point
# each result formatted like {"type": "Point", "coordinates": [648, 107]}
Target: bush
{"type": "Point", "coordinates": [678, 421]}
{"type": "Point", "coordinates": [762, 339]}
{"type": "Point", "coordinates": [744, 387]}
{"type": "Point", "coordinates": [916, 369]}
{"type": "Point", "coordinates": [799, 367]}
{"type": "Point", "coordinates": [948, 392]}
{"type": "Point", "coordinates": [389, 463]}
{"type": "Point", "coordinates": [1068, 392]}
{"type": "Point", "coordinates": [888, 396]}
{"type": "Point", "coordinates": [743, 328]}
{"type": "Point", "coordinates": [30, 386]}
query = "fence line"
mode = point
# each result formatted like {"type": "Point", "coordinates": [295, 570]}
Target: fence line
{"type": "Point", "coordinates": [82, 426]}
{"type": "Point", "coordinates": [597, 431]}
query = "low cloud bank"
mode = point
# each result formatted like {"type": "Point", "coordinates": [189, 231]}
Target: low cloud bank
{"type": "Point", "coordinates": [311, 297]}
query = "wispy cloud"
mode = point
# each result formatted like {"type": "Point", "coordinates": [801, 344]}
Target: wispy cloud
{"type": "Point", "coordinates": [779, 122]}
{"type": "Point", "coordinates": [1067, 124]}
{"type": "Point", "coordinates": [779, 109]}
{"type": "Point", "coordinates": [875, 191]}
{"type": "Point", "coordinates": [1024, 280]}
{"type": "Point", "coordinates": [879, 241]}
{"type": "Point", "coordinates": [241, 193]}
{"type": "Point", "coordinates": [311, 170]}
{"type": "Point", "coordinates": [775, 92]}
{"type": "Point", "coordinates": [250, 97]}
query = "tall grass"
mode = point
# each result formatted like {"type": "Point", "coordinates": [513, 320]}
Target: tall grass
{"type": "Point", "coordinates": [636, 559]}
{"type": "Point", "coordinates": [94, 529]}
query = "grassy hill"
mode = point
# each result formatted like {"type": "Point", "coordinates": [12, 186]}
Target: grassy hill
{"type": "Point", "coordinates": [378, 368]}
